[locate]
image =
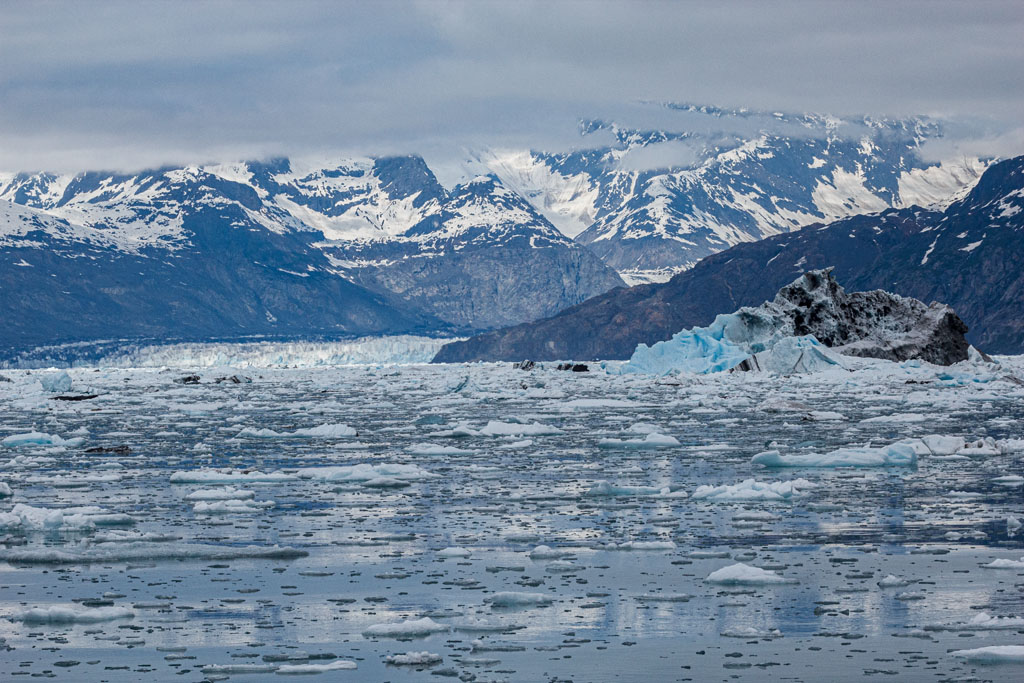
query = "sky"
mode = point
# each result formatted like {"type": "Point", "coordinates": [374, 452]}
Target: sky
{"type": "Point", "coordinates": [126, 85]}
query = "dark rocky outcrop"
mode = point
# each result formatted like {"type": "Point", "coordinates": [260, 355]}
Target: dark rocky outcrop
{"type": "Point", "coordinates": [968, 256]}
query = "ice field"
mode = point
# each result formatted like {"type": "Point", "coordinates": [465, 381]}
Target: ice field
{"type": "Point", "coordinates": [484, 523]}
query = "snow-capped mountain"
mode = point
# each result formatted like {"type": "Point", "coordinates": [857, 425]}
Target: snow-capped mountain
{"type": "Point", "coordinates": [382, 232]}
{"type": "Point", "coordinates": [654, 202]}
{"type": "Point", "coordinates": [967, 256]}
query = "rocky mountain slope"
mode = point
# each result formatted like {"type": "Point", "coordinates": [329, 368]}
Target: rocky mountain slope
{"type": "Point", "coordinates": [367, 246]}
{"type": "Point", "coordinates": [652, 202]}
{"type": "Point", "coordinates": [967, 256]}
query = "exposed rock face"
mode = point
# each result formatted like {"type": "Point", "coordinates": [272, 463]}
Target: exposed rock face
{"type": "Point", "coordinates": [874, 324]}
{"type": "Point", "coordinates": [967, 256]}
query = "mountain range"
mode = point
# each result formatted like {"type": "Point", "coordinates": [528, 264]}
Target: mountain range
{"type": "Point", "coordinates": [377, 245]}
{"type": "Point", "coordinates": [967, 255]}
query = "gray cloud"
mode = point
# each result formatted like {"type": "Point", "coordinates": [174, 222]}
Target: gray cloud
{"type": "Point", "coordinates": [129, 84]}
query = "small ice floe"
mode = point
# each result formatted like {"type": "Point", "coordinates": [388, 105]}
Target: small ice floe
{"type": "Point", "coordinates": [740, 574]}
{"type": "Point", "coordinates": [231, 669]}
{"type": "Point", "coordinates": [943, 445]}
{"type": "Point", "coordinates": [993, 654]}
{"type": "Point", "coordinates": [225, 493]}
{"type": "Point", "coordinates": [825, 416]}
{"type": "Point", "coordinates": [545, 552]}
{"type": "Point", "coordinates": [751, 632]}
{"type": "Point", "coordinates": [459, 431]}
{"type": "Point", "coordinates": [87, 553]}
{"type": "Point", "coordinates": [590, 403]}
{"type": "Point", "coordinates": [327, 431]}
{"type": "Point", "coordinates": [434, 449]}
{"type": "Point", "coordinates": [496, 428]}
{"type": "Point", "coordinates": [72, 614]}
{"type": "Point", "coordinates": [406, 629]}
{"type": "Point", "coordinates": [650, 442]}
{"type": "Point", "coordinates": [636, 545]}
{"type": "Point", "coordinates": [414, 659]}
{"type": "Point", "coordinates": [1011, 480]}
{"type": "Point", "coordinates": [5, 490]}
{"type": "Point", "coordinates": [41, 439]}
{"type": "Point", "coordinates": [642, 428]}
{"type": "Point", "coordinates": [217, 476]}
{"type": "Point", "coordinates": [453, 552]}
{"type": "Point", "coordinates": [1003, 563]}
{"type": "Point", "coordinates": [306, 669]}
{"type": "Point", "coordinates": [892, 581]}
{"type": "Point", "coordinates": [896, 418]}
{"type": "Point", "coordinates": [606, 489]}
{"type": "Point", "coordinates": [981, 622]}
{"type": "Point", "coordinates": [519, 599]}
{"type": "Point", "coordinates": [664, 597]}
{"type": "Point", "coordinates": [755, 516]}
{"type": "Point", "coordinates": [981, 448]}
{"type": "Point", "coordinates": [364, 473]}
{"type": "Point", "coordinates": [29, 518]}
{"type": "Point", "coordinates": [56, 382]}
{"type": "Point", "coordinates": [750, 489]}
{"type": "Point", "coordinates": [895, 455]}
{"type": "Point", "coordinates": [224, 507]}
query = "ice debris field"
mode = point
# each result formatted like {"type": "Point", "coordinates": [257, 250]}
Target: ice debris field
{"type": "Point", "coordinates": [486, 523]}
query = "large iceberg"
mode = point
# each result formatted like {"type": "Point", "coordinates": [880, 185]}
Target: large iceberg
{"type": "Point", "coordinates": [805, 328]}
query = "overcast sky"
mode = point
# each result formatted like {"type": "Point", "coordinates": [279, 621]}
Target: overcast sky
{"type": "Point", "coordinates": [130, 84]}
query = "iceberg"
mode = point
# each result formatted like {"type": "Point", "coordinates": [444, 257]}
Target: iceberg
{"type": "Point", "coordinates": [57, 382]}
{"type": "Point", "coordinates": [896, 455]}
{"type": "Point", "coordinates": [796, 333]}
{"type": "Point", "coordinates": [750, 489]}
{"type": "Point", "coordinates": [740, 574]}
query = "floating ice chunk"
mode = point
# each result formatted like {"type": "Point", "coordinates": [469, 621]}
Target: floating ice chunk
{"type": "Point", "coordinates": [56, 382]}
{"type": "Point", "coordinates": [414, 659]}
{"type": "Point", "coordinates": [943, 445]}
{"type": "Point", "coordinates": [637, 545]}
{"type": "Point", "coordinates": [454, 552]}
{"type": "Point", "coordinates": [891, 581]}
{"type": "Point", "coordinates": [896, 455]}
{"type": "Point", "coordinates": [231, 506]}
{"type": "Point", "coordinates": [72, 614]}
{"type": "Point", "coordinates": [1003, 563]}
{"type": "Point", "coordinates": [87, 554]}
{"type": "Point", "coordinates": [751, 632]}
{"type": "Point", "coordinates": [825, 416]}
{"type": "Point", "coordinates": [364, 472]}
{"type": "Point", "coordinates": [698, 351]}
{"type": "Point", "coordinates": [226, 493]}
{"type": "Point", "coordinates": [642, 428]}
{"type": "Point", "coordinates": [740, 574]}
{"type": "Point", "coordinates": [664, 597]}
{"type": "Point", "coordinates": [981, 622]}
{"type": "Point", "coordinates": [1009, 480]}
{"type": "Point", "coordinates": [208, 476]}
{"type": "Point", "coordinates": [327, 431]}
{"type": "Point", "coordinates": [589, 403]}
{"type": "Point", "coordinates": [304, 669]}
{"type": "Point", "coordinates": [993, 654]}
{"type": "Point", "coordinates": [433, 449]}
{"type": "Point", "coordinates": [31, 518]}
{"type": "Point", "coordinates": [459, 431]}
{"type": "Point", "coordinates": [651, 441]}
{"type": "Point", "coordinates": [607, 489]}
{"type": "Point", "coordinates": [41, 439]}
{"type": "Point", "coordinates": [981, 448]}
{"type": "Point", "coordinates": [750, 489]}
{"type": "Point", "coordinates": [496, 428]}
{"type": "Point", "coordinates": [229, 669]}
{"type": "Point", "coordinates": [409, 628]}
{"type": "Point", "coordinates": [899, 418]}
{"type": "Point", "coordinates": [544, 552]}
{"type": "Point", "coordinates": [519, 599]}
{"type": "Point", "coordinates": [5, 490]}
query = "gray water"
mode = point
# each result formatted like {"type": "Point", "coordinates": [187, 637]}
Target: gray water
{"type": "Point", "coordinates": [370, 556]}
